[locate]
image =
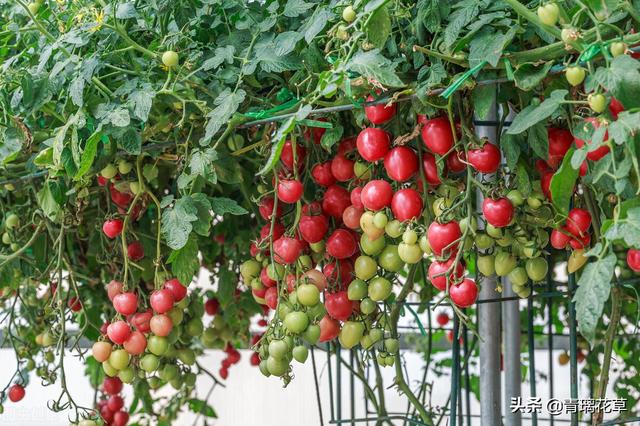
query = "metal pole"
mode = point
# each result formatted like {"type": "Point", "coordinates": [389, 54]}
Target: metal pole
{"type": "Point", "coordinates": [489, 324]}
{"type": "Point", "coordinates": [512, 372]}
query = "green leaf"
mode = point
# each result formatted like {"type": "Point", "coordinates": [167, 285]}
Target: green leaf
{"type": "Point", "coordinates": [142, 100]}
{"type": "Point", "coordinates": [176, 222]}
{"type": "Point", "coordinates": [49, 200]}
{"type": "Point", "coordinates": [627, 229]}
{"type": "Point", "coordinates": [510, 145]}
{"type": "Point", "coordinates": [201, 164]}
{"type": "Point", "coordinates": [484, 97]}
{"type": "Point", "coordinates": [622, 79]}
{"type": "Point", "coordinates": [528, 76]}
{"type": "Point", "coordinates": [184, 262]}
{"type": "Point", "coordinates": [532, 114]}
{"type": "Point", "coordinates": [331, 136]}
{"type": "Point", "coordinates": [130, 141]}
{"type": "Point", "coordinates": [294, 8]}
{"type": "Point", "coordinates": [563, 184]}
{"type": "Point", "coordinates": [201, 407]}
{"type": "Point", "coordinates": [220, 55]}
{"type": "Point", "coordinates": [378, 27]}
{"type": "Point", "coordinates": [466, 11]}
{"type": "Point", "coordinates": [538, 140]}
{"type": "Point", "coordinates": [223, 205]}
{"type": "Point", "coordinates": [202, 226]}
{"type": "Point", "coordinates": [285, 42]}
{"type": "Point", "coordinates": [488, 46]}
{"type": "Point", "coordinates": [316, 23]}
{"type": "Point", "coordinates": [227, 105]}
{"type": "Point", "coordinates": [593, 291]}
{"type": "Point", "coordinates": [372, 65]}
{"type": "Point", "coordinates": [522, 177]}
{"type": "Point", "coordinates": [11, 140]}
{"type": "Point", "coordinates": [227, 283]}
{"type": "Point", "coordinates": [622, 130]}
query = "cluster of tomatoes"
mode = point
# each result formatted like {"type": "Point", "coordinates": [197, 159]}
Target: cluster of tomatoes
{"type": "Point", "coordinates": [111, 405]}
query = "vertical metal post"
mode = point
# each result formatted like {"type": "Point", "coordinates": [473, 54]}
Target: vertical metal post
{"type": "Point", "coordinates": [455, 373]}
{"type": "Point", "coordinates": [338, 383]}
{"type": "Point", "coordinates": [489, 323]}
{"type": "Point", "coordinates": [330, 380]}
{"type": "Point", "coordinates": [352, 385]}
{"type": "Point", "coordinates": [511, 339]}
{"type": "Point", "coordinates": [573, 343]}
{"type": "Point", "coordinates": [550, 336]}
{"type": "Point", "coordinates": [532, 356]}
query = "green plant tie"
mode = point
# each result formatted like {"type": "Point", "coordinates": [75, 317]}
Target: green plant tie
{"type": "Point", "coordinates": [460, 80]}
{"type": "Point", "coordinates": [415, 315]}
{"type": "Point", "coordinates": [284, 95]}
{"type": "Point", "coordinates": [265, 113]}
{"type": "Point", "coordinates": [590, 52]}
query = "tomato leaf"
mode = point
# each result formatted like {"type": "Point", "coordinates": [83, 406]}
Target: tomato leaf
{"type": "Point", "coordinates": [528, 76]}
{"type": "Point", "coordinates": [88, 154]}
{"type": "Point", "coordinates": [294, 8]}
{"type": "Point", "coordinates": [538, 140]}
{"type": "Point", "coordinates": [593, 291]}
{"type": "Point", "coordinates": [563, 183]}
{"type": "Point", "coordinates": [627, 229]}
{"type": "Point", "coordinates": [488, 45]}
{"type": "Point", "coordinates": [184, 262]}
{"type": "Point", "coordinates": [532, 114]}
{"type": "Point", "coordinates": [622, 79]}
{"type": "Point", "coordinates": [11, 141]}
{"type": "Point", "coordinates": [227, 104]}
{"type": "Point", "coordinates": [378, 27]}
{"type": "Point", "coordinates": [201, 407]}
{"type": "Point", "coordinates": [373, 65]}
{"type": "Point", "coordinates": [176, 222]}
{"type": "Point", "coordinates": [331, 136]}
{"type": "Point", "coordinates": [223, 205]}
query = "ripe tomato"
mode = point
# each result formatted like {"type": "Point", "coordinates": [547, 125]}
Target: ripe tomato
{"type": "Point", "coordinates": [313, 228]}
{"type": "Point", "coordinates": [322, 175]}
{"type": "Point", "coordinates": [125, 303]}
{"type": "Point", "coordinates": [121, 199]}
{"type": "Point", "coordinates": [545, 184]}
{"type": "Point", "coordinates": [178, 290]}
{"type": "Point", "coordinates": [118, 332]}
{"type": "Point", "coordinates": [101, 351]}
{"type": "Point", "coordinates": [380, 113]}
{"type": "Point", "coordinates": [342, 168]}
{"type": "Point", "coordinates": [74, 304]}
{"type": "Point", "coordinates": [373, 144]}
{"type": "Point", "coordinates": [266, 208]}
{"type": "Point", "coordinates": [271, 297]}
{"type": "Point", "coordinates": [265, 279]}
{"type": "Point", "coordinates": [339, 271]}
{"type": "Point", "coordinates": [582, 242]}
{"type": "Point", "coordinates": [560, 141]}
{"type": "Point", "coordinates": [112, 228]}
{"type": "Point", "coordinates": [135, 251]}
{"type": "Point", "coordinates": [338, 305]}
{"type": "Point", "coordinates": [120, 418]}
{"type": "Point", "coordinates": [578, 221]}
{"type": "Point", "coordinates": [112, 385]}
{"type": "Point", "coordinates": [355, 197]}
{"type": "Point", "coordinates": [136, 343]}
{"type": "Point", "coordinates": [16, 393]}
{"type": "Point", "coordinates": [633, 259]}
{"type": "Point", "coordinates": [559, 239]}
{"type": "Point", "coordinates": [376, 194]}
{"type": "Point", "coordinates": [442, 319]}
{"type": "Point", "coordinates": [615, 108]}
{"type": "Point", "coordinates": [341, 244]}
{"type": "Point", "coordinates": [464, 294]}
{"type": "Point", "coordinates": [161, 325]}
{"type": "Point", "coordinates": [598, 153]}
{"type": "Point", "coordinates": [437, 135]}
{"type": "Point", "coordinates": [212, 306]}
{"type": "Point", "coordinates": [438, 273]}
{"type": "Point", "coordinates": [499, 212]}
{"type": "Point", "coordinates": [401, 163]}
{"type": "Point", "coordinates": [161, 300]}
{"type": "Point", "coordinates": [485, 159]}
{"type": "Point", "coordinates": [290, 190]}
{"type": "Point", "coordinates": [455, 162]}
{"type": "Point", "coordinates": [315, 277]}
{"type": "Point", "coordinates": [140, 321]}
{"type": "Point", "coordinates": [351, 217]}
{"type": "Point", "coordinates": [347, 145]}
{"type": "Point", "coordinates": [406, 204]}
{"type": "Point", "coordinates": [286, 156]}
{"type": "Point", "coordinates": [442, 237]}
{"type": "Point", "coordinates": [430, 169]}
{"type": "Point", "coordinates": [115, 402]}
{"type": "Point", "coordinates": [335, 200]}
{"type": "Point", "coordinates": [286, 250]}
{"type": "Point", "coordinates": [329, 329]}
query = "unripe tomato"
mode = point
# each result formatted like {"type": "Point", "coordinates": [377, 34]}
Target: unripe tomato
{"type": "Point", "coordinates": [357, 290]}
{"type": "Point", "coordinates": [597, 102]}
{"type": "Point", "coordinates": [157, 345]}
{"type": "Point", "coordinates": [119, 359]}
{"type": "Point", "coordinates": [351, 334]}
{"type": "Point", "coordinates": [563, 358]}
{"type": "Point", "coordinates": [575, 75]}
{"type": "Point", "coordinates": [300, 353]}
{"type": "Point", "coordinates": [464, 294]}
{"type": "Point", "coordinates": [537, 268]}
{"type": "Point", "coordinates": [367, 223]}
{"type": "Point", "coordinates": [486, 265]}
{"type": "Point", "coordinates": [390, 260]}
{"type": "Point", "coordinates": [348, 14]}
{"type": "Point", "coordinates": [373, 143]}
{"type": "Point", "coordinates": [505, 263]}
{"type": "Point", "coordinates": [379, 289]}
{"type": "Point", "coordinates": [368, 306]}
{"type": "Point", "coordinates": [393, 228]}
{"type": "Point", "coordinates": [308, 295]}
{"type": "Point", "coordinates": [12, 221]}
{"type": "Point", "coordinates": [109, 171]}
{"type": "Point", "coordinates": [437, 135]}
{"type": "Point", "coordinates": [409, 253]}
{"type": "Point", "coordinates": [518, 277]}
{"type": "Point", "coordinates": [485, 159]}
{"type": "Point", "coordinates": [101, 351]}
{"type": "Point", "coordinates": [548, 14]}
{"type": "Point", "coordinates": [365, 267]}
{"type": "Point", "coordinates": [380, 220]}
{"type": "Point", "coordinates": [617, 48]}
{"type": "Point", "coordinates": [401, 163]}
{"type": "Point", "coordinates": [372, 247]}
{"type": "Point", "coordinates": [379, 113]}
{"type": "Point", "coordinates": [170, 59]}
{"type": "Point", "coordinates": [296, 322]}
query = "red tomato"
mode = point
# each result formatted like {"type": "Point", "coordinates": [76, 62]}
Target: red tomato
{"type": "Point", "coordinates": [578, 221]}
{"type": "Point", "coordinates": [255, 359]}
{"type": "Point", "coordinates": [286, 250]}
{"type": "Point", "coordinates": [633, 259]}
{"type": "Point", "coordinates": [373, 144]}
{"type": "Point", "coordinates": [136, 343]}
{"type": "Point", "coordinates": [339, 271]}
{"type": "Point", "coordinates": [560, 141]}
{"type": "Point", "coordinates": [376, 194]}
{"type": "Point", "coordinates": [584, 168]}
{"type": "Point", "coordinates": [464, 294]}
{"type": "Point", "coordinates": [265, 231]}
{"type": "Point", "coordinates": [120, 418]}
{"type": "Point", "coordinates": [542, 166]}
{"type": "Point", "coordinates": [286, 156]}
{"type": "Point", "coordinates": [74, 304]}
{"type": "Point", "coordinates": [135, 251]}
{"type": "Point", "coordinates": [485, 159]}
{"type": "Point", "coordinates": [442, 237]}
{"type": "Point", "coordinates": [315, 133]}
{"type": "Point", "coordinates": [178, 290]}
{"type": "Point", "coordinates": [322, 175]}
{"type": "Point", "coordinates": [290, 191]}
{"type": "Point", "coordinates": [338, 305]}
{"type": "Point", "coordinates": [437, 135]}
{"type": "Point", "coordinates": [580, 242]}
{"type": "Point", "coordinates": [212, 306]}
{"type": "Point", "coordinates": [118, 332]}
{"type": "Point", "coordinates": [406, 204]}
{"type": "Point", "coordinates": [265, 280]}
{"type": "Point", "coordinates": [342, 168]}
{"type": "Point", "coordinates": [438, 273]}
{"type": "Point", "coordinates": [112, 385]}
{"type": "Point", "coordinates": [161, 301]}
{"type": "Point", "coordinates": [442, 319]}
{"type": "Point", "coordinates": [601, 151]}
{"type": "Point", "coordinates": [380, 113]}
{"type": "Point", "coordinates": [356, 201]}
{"type": "Point", "coordinates": [313, 228]}
{"type": "Point", "coordinates": [559, 239]}
{"type": "Point", "coordinates": [112, 228]}
{"type": "Point", "coordinates": [16, 393]}
{"type": "Point", "coordinates": [335, 200]}
{"type": "Point", "coordinates": [615, 108]}
{"type": "Point", "coordinates": [329, 329]}
{"type": "Point", "coordinates": [125, 303]}
{"type": "Point", "coordinates": [499, 212]}
{"type": "Point", "coordinates": [401, 163]}
{"type": "Point", "coordinates": [347, 145]}
{"type": "Point", "coordinates": [115, 403]}
{"type": "Point", "coordinates": [341, 244]}
{"type": "Point", "coordinates": [545, 183]}
{"type": "Point", "coordinates": [351, 217]}
{"type": "Point", "coordinates": [430, 169]}
{"type": "Point", "coordinates": [140, 321]}
{"type": "Point", "coordinates": [121, 199]}
{"type": "Point", "coordinates": [455, 162]}
{"type": "Point", "coordinates": [271, 297]}
{"type": "Point", "coordinates": [266, 208]}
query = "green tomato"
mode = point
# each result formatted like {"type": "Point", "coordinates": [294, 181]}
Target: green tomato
{"type": "Point", "coordinates": [424, 245]}
{"type": "Point", "coordinates": [524, 293]}
{"type": "Point", "coordinates": [534, 203]}
{"type": "Point", "coordinates": [516, 198]}
{"type": "Point", "coordinates": [317, 247]}
{"type": "Point", "coordinates": [362, 170]}
{"type": "Point", "coordinates": [410, 237]}
{"type": "Point", "coordinates": [109, 171]}
{"type": "Point", "coordinates": [440, 205]}
{"type": "Point", "coordinates": [169, 372]}
{"type": "Point", "coordinates": [575, 75]}
{"type": "Point", "coordinates": [127, 375]}
{"type": "Point", "coordinates": [618, 48]}
{"type": "Point", "coordinates": [170, 59]}
{"type": "Point", "coordinates": [12, 221]}
{"type": "Point", "coordinates": [380, 220]}
{"type": "Point", "coordinates": [190, 379]}
{"type": "Point", "coordinates": [483, 241]}
{"type": "Point", "coordinates": [308, 295]}
{"type": "Point", "coordinates": [464, 224]}
{"type": "Point", "coordinates": [504, 263]}
{"type": "Point", "coordinates": [277, 366]}
{"type": "Point", "coordinates": [6, 238]}
{"type": "Point", "coordinates": [119, 359]}
{"type": "Point", "coordinates": [390, 260]}
{"type": "Point", "coordinates": [506, 240]}
{"type": "Point", "coordinates": [365, 267]}
{"type": "Point", "coordinates": [108, 369]}
{"type": "Point", "coordinates": [376, 334]}
{"type": "Point", "coordinates": [235, 142]}
{"type": "Point", "coordinates": [275, 271]}
{"type": "Point", "coordinates": [33, 7]}
{"type": "Point", "coordinates": [379, 289]}
{"type": "Point", "coordinates": [296, 322]}
{"type": "Point", "coordinates": [176, 314]}
{"type": "Point", "coordinates": [341, 34]}
{"type": "Point", "coordinates": [357, 290]}
{"type": "Point", "coordinates": [366, 342]}
{"type": "Point", "coordinates": [284, 309]}
{"type": "Point", "coordinates": [409, 253]}
{"type": "Point", "coordinates": [351, 333]}
{"type": "Point", "coordinates": [187, 356]}
{"type": "Point", "coordinates": [194, 327]}
{"type": "Point", "coordinates": [537, 268]}
{"type": "Point", "coordinates": [14, 247]}
{"type": "Point", "coordinates": [493, 232]}
{"type": "Point", "coordinates": [597, 102]}
{"type": "Point", "coordinates": [149, 363]}
{"type": "Point", "coordinates": [518, 276]}
{"type": "Point", "coordinates": [250, 269]}
{"type": "Point", "coordinates": [124, 167]}
{"type": "Point", "coordinates": [264, 369]}
{"type": "Point", "coordinates": [549, 14]}
{"type": "Point", "coordinates": [368, 306]}
{"type": "Point", "coordinates": [157, 345]}
{"type": "Point", "coordinates": [278, 349]}
{"type": "Point", "coordinates": [392, 345]}
{"type": "Point", "coordinates": [316, 312]}
{"type": "Point", "coordinates": [393, 228]}
{"type": "Point", "coordinates": [311, 335]}
{"type": "Point", "coordinates": [486, 265]}
{"type": "Point", "coordinates": [300, 353]}
{"type": "Point", "coordinates": [372, 247]}
{"type": "Point", "coordinates": [348, 14]}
